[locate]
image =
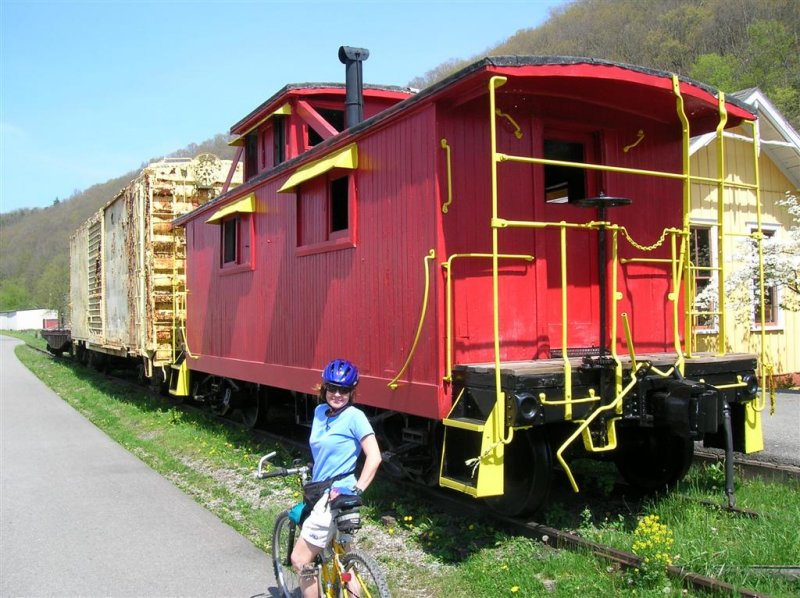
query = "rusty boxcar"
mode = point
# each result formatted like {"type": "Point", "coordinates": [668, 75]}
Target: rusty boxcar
{"type": "Point", "coordinates": [127, 264]}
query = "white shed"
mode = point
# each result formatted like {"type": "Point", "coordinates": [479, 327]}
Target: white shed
{"type": "Point", "coordinates": [26, 319]}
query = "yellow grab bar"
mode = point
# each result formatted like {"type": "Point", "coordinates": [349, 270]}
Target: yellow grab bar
{"type": "Point", "coordinates": [448, 266]}
{"type": "Point", "coordinates": [446, 205]}
{"type": "Point", "coordinates": [431, 255]}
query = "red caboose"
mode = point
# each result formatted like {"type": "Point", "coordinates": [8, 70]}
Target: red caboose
{"type": "Point", "coordinates": [502, 254]}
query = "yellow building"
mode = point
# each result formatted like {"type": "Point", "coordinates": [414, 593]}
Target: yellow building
{"type": "Point", "coordinates": [778, 173]}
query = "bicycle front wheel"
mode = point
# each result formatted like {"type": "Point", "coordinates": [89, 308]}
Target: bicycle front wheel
{"type": "Point", "coordinates": [364, 577]}
{"type": "Point", "coordinates": [284, 535]}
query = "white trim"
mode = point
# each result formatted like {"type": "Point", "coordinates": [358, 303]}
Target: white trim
{"type": "Point", "coordinates": [778, 326]}
{"type": "Point", "coordinates": [711, 225]}
{"type": "Point", "coordinates": [784, 152]}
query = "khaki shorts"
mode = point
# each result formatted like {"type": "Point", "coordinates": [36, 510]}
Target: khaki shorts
{"type": "Point", "coordinates": [318, 527]}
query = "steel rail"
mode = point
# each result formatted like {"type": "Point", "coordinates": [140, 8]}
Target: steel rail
{"type": "Point", "coordinates": [751, 467]}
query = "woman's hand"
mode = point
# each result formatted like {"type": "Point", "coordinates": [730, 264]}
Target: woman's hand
{"type": "Point", "coordinates": [333, 494]}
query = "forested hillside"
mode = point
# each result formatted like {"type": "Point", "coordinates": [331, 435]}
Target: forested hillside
{"type": "Point", "coordinates": [731, 44]}
{"type": "Point", "coordinates": [34, 243]}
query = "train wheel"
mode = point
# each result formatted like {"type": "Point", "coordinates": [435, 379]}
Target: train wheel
{"type": "Point", "coordinates": [81, 354]}
{"type": "Point", "coordinates": [96, 361]}
{"type": "Point", "coordinates": [528, 474]}
{"type": "Point", "coordinates": [141, 377]}
{"type": "Point", "coordinates": [247, 408]}
{"type": "Point", "coordinates": [653, 459]}
{"type": "Point", "coordinates": [221, 404]}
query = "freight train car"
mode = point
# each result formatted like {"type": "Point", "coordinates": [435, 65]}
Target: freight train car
{"type": "Point", "coordinates": [505, 255]}
{"type": "Point", "coordinates": [127, 264]}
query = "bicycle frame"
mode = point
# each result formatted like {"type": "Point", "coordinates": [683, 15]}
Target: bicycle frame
{"type": "Point", "coordinates": [333, 576]}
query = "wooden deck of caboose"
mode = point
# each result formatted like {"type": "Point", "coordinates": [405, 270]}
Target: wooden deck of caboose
{"type": "Point", "coordinates": [549, 373]}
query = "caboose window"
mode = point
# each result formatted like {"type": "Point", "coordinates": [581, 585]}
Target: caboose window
{"type": "Point", "coordinates": [229, 240]}
{"type": "Point", "coordinates": [278, 139]}
{"type": "Point", "coordinates": [702, 261]}
{"type": "Point", "coordinates": [564, 183]}
{"type": "Point", "coordinates": [325, 214]}
{"type": "Point", "coordinates": [250, 155]}
{"type": "Point", "coordinates": [236, 252]}
{"type": "Point", "coordinates": [339, 204]}
{"type": "Point", "coordinates": [771, 297]}
{"type": "Point", "coordinates": [334, 117]}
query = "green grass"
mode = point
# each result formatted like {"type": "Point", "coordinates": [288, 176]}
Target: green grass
{"type": "Point", "coordinates": [428, 551]}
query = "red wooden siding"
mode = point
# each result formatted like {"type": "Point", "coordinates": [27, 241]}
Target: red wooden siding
{"type": "Point", "coordinates": [282, 321]}
{"type": "Point", "coordinates": [530, 311]}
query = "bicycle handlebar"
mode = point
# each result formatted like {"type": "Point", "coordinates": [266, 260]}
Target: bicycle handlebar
{"type": "Point", "coordinates": [280, 471]}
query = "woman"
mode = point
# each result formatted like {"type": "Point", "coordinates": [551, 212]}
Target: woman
{"type": "Point", "coordinates": [338, 435]}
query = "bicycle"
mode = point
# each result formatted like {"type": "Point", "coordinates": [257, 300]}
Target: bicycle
{"type": "Point", "coordinates": [342, 572]}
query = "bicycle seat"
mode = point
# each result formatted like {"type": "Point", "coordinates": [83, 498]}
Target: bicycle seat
{"type": "Point", "coordinates": [346, 501]}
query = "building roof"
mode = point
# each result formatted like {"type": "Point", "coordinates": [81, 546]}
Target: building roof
{"type": "Point", "coordinates": [777, 137]}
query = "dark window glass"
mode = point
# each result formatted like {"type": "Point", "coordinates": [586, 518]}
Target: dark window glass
{"type": "Point", "coordinates": [278, 139]}
{"type": "Point", "coordinates": [250, 155]}
{"type": "Point", "coordinates": [334, 117]}
{"type": "Point", "coordinates": [563, 183]}
{"type": "Point", "coordinates": [229, 229]}
{"type": "Point", "coordinates": [339, 204]}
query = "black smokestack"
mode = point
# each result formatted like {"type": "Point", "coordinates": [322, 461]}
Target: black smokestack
{"type": "Point", "coordinates": [354, 84]}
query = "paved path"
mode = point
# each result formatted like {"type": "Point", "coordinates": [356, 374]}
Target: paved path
{"type": "Point", "coordinates": [782, 430]}
{"type": "Point", "coordinates": [81, 516]}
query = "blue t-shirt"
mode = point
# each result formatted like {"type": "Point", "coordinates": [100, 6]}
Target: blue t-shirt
{"type": "Point", "coordinates": [336, 444]}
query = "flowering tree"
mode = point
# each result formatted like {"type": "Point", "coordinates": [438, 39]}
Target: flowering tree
{"type": "Point", "coordinates": [781, 271]}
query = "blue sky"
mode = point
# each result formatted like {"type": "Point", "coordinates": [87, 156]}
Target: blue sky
{"type": "Point", "coordinates": [92, 89]}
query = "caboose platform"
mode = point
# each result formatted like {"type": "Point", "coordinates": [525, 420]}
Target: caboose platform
{"type": "Point", "coordinates": [549, 373]}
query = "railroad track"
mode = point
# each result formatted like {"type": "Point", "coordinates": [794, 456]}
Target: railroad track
{"type": "Point", "coordinates": [564, 540]}
{"type": "Point", "coordinates": [750, 467]}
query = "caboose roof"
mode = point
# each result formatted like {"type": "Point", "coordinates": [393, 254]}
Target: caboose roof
{"type": "Point", "coordinates": [310, 90]}
{"type": "Point", "coordinates": [626, 89]}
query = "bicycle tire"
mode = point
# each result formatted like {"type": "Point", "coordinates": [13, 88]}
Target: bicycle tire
{"type": "Point", "coordinates": [284, 535]}
{"type": "Point", "coordinates": [367, 574]}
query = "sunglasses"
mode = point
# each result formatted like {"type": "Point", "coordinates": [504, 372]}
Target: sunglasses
{"type": "Point", "coordinates": [338, 390]}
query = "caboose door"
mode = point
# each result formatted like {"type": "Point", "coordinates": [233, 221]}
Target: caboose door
{"type": "Point", "coordinates": [557, 188]}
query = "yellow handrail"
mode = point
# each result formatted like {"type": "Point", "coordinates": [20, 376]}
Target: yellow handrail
{"type": "Point", "coordinates": [448, 265]}
{"type": "Point", "coordinates": [639, 139]}
{"type": "Point", "coordinates": [564, 352]}
{"type": "Point", "coordinates": [393, 384]}
{"type": "Point", "coordinates": [685, 255]}
{"type": "Point", "coordinates": [760, 238]}
{"type": "Point", "coordinates": [585, 425]}
{"type": "Point", "coordinates": [517, 129]}
{"type": "Point", "coordinates": [722, 327]}
{"type": "Point", "coordinates": [500, 404]}
{"type": "Point", "coordinates": [182, 325]}
{"type": "Point", "coordinates": [446, 205]}
{"type": "Point", "coordinates": [589, 166]}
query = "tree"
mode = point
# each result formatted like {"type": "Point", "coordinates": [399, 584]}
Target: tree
{"type": "Point", "coordinates": [13, 296]}
{"type": "Point", "coordinates": [769, 59]}
{"type": "Point", "coordinates": [716, 70]}
{"type": "Point", "coordinates": [781, 258]}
